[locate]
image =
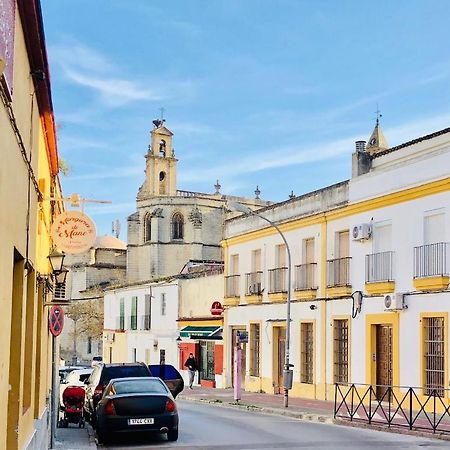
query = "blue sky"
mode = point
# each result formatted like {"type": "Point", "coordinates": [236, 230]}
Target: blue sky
{"type": "Point", "coordinates": [257, 92]}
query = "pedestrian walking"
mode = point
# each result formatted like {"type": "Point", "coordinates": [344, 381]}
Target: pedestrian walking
{"type": "Point", "coordinates": [191, 365]}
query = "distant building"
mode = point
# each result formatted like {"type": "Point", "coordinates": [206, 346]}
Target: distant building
{"type": "Point", "coordinates": [90, 272]}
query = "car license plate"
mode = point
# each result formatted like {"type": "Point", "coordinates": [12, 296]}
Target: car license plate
{"type": "Point", "coordinates": [141, 421]}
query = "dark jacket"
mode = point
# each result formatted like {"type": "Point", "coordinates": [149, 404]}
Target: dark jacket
{"type": "Point", "coordinates": [191, 364]}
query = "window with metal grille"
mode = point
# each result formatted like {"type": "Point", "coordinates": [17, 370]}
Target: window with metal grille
{"type": "Point", "coordinates": [307, 355]}
{"type": "Point", "coordinates": [254, 349]}
{"type": "Point", "coordinates": [340, 339]}
{"type": "Point", "coordinates": [177, 226]}
{"type": "Point", "coordinates": [434, 351]}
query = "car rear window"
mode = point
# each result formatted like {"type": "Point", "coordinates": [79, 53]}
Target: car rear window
{"type": "Point", "coordinates": [140, 387]}
{"type": "Point", "coordinates": [123, 372]}
{"type": "Point", "coordinates": [165, 372]}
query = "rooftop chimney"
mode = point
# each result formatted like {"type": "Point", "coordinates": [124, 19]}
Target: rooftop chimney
{"type": "Point", "coordinates": [360, 146]}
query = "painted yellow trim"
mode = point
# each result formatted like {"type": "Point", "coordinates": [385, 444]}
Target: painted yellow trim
{"type": "Point", "coordinates": [382, 201]}
{"type": "Point", "coordinates": [339, 291]}
{"type": "Point", "coordinates": [305, 294]}
{"type": "Point", "coordinates": [378, 319]}
{"type": "Point", "coordinates": [303, 390]}
{"type": "Point", "coordinates": [425, 315]}
{"type": "Point", "coordinates": [201, 323]}
{"type": "Point", "coordinates": [348, 318]}
{"type": "Point", "coordinates": [431, 283]}
{"type": "Point", "coordinates": [231, 301]}
{"type": "Point", "coordinates": [279, 297]}
{"type": "Point", "coordinates": [253, 299]}
{"type": "Point", "coordinates": [380, 287]}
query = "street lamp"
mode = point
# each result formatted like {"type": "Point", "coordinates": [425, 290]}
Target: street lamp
{"type": "Point", "coordinates": [287, 372]}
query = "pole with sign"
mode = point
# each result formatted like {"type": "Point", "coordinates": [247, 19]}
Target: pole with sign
{"type": "Point", "coordinates": [237, 372]}
{"type": "Point", "coordinates": [55, 325]}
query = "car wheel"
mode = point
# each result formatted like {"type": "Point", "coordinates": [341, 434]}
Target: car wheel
{"type": "Point", "coordinates": [172, 435]}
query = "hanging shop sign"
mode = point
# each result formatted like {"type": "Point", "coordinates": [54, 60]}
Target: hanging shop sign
{"type": "Point", "coordinates": [73, 232]}
{"type": "Point", "coordinates": [216, 309]}
{"type": "Point", "coordinates": [56, 320]}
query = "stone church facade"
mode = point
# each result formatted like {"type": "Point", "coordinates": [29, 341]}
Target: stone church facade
{"type": "Point", "coordinates": [172, 227]}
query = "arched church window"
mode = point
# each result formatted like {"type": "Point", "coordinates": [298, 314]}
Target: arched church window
{"type": "Point", "coordinates": [177, 226]}
{"type": "Point", "coordinates": [148, 228]}
{"type": "Point", "coordinates": [162, 148]}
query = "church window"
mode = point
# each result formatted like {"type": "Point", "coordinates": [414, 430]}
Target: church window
{"type": "Point", "coordinates": [162, 183]}
{"type": "Point", "coordinates": [148, 228]}
{"type": "Point", "coordinates": [177, 226]}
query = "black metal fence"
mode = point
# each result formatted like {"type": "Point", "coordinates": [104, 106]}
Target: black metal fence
{"type": "Point", "coordinates": [431, 260]}
{"type": "Point", "coordinates": [393, 406]}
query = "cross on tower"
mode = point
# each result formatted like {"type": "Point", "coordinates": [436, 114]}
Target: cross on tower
{"type": "Point", "coordinates": [162, 113]}
{"type": "Point", "coordinates": [379, 116]}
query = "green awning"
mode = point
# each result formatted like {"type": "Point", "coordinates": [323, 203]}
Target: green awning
{"type": "Point", "coordinates": [191, 330]}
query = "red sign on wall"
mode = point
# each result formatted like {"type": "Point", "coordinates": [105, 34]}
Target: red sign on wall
{"type": "Point", "coordinates": [56, 320]}
{"type": "Point", "coordinates": [216, 309]}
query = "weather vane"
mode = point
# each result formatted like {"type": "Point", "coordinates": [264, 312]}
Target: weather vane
{"type": "Point", "coordinates": [379, 116]}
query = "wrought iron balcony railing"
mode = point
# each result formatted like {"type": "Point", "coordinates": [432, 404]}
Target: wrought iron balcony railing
{"type": "Point", "coordinates": [278, 280]}
{"type": "Point", "coordinates": [379, 267]}
{"type": "Point", "coordinates": [232, 286]}
{"type": "Point", "coordinates": [431, 260]}
{"type": "Point", "coordinates": [338, 272]}
{"type": "Point", "coordinates": [253, 283]}
{"type": "Point", "coordinates": [305, 276]}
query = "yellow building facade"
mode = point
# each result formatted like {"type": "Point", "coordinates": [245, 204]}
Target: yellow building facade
{"type": "Point", "coordinates": [28, 176]}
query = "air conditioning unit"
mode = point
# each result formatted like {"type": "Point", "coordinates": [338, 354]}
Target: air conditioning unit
{"type": "Point", "coordinates": [394, 302]}
{"type": "Point", "coordinates": [362, 232]}
{"type": "Point", "coordinates": [255, 289]}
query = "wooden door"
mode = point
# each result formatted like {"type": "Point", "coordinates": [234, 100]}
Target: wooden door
{"type": "Point", "coordinates": [383, 359]}
{"type": "Point", "coordinates": [280, 354]}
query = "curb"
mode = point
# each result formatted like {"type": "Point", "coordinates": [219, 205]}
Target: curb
{"type": "Point", "coordinates": [393, 429]}
{"type": "Point", "coordinates": [310, 417]}
{"type": "Point", "coordinates": [91, 433]}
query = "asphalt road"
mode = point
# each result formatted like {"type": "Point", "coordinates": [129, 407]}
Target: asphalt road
{"type": "Point", "coordinates": [206, 427]}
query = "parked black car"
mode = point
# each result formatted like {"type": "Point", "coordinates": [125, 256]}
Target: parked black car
{"type": "Point", "coordinates": [138, 404]}
{"type": "Point", "coordinates": [101, 376]}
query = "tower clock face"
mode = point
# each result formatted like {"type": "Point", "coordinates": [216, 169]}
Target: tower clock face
{"type": "Point", "coordinates": [372, 141]}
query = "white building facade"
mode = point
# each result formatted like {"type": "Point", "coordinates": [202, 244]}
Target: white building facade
{"type": "Point", "coordinates": [370, 275]}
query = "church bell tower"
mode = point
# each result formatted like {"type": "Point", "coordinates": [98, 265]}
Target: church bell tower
{"type": "Point", "coordinates": [161, 166]}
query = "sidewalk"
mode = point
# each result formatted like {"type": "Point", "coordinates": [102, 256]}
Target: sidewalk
{"type": "Point", "coordinates": [316, 410]}
{"type": "Point", "coordinates": [72, 438]}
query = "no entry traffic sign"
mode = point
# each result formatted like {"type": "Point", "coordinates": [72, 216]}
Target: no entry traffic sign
{"type": "Point", "coordinates": [56, 320]}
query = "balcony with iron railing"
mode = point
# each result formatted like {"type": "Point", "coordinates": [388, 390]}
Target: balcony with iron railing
{"type": "Point", "coordinates": [120, 323]}
{"type": "Point", "coordinates": [305, 285]}
{"type": "Point", "coordinates": [338, 277]}
{"type": "Point", "coordinates": [232, 290]}
{"type": "Point", "coordinates": [278, 284]}
{"type": "Point", "coordinates": [431, 266]}
{"type": "Point", "coordinates": [146, 322]}
{"type": "Point", "coordinates": [379, 273]}
{"type": "Point", "coordinates": [253, 287]}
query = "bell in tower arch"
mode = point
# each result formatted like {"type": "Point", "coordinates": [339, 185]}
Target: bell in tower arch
{"type": "Point", "coordinates": [162, 148]}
